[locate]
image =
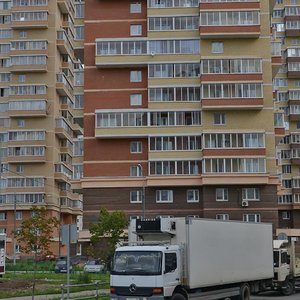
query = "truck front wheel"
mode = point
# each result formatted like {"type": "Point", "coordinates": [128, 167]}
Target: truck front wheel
{"type": "Point", "coordinates": [178, 296]}
{"type": "Point", "coordinates": [288, 289]}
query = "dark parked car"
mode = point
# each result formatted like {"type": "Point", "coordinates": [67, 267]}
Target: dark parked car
{"type": "Point", "coordinates": [61, 266]}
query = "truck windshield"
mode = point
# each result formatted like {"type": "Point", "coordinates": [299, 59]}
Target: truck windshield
{"type": "Point", "coordinates": [137, 263]}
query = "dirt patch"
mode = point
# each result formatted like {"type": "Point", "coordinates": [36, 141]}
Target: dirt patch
{"type": "Point", "coordinates": [16, 284]}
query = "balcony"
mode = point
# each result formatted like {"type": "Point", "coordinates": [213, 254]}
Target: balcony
{"type": "Point", "coordinates": [63, 130]}
{"type": "Point", "coordinates": [27, 109]}
{"type": "Point", "coordinates": [62, 173]}
{"type": "Point", "coordinates": [26, 154]}
{"type": "Point", "coordinates": [66, 6]}
{"type": "Point", "coordinates": [64, 43]}
{"type": "Point", "coordinates": [29, 20]}
{"type": "Point", "coordinates": [224, 20]}
{"type": "Point", "coordinates": [63, 85]}
{"type": "Point", "coordinates": [141, 51]}
{"type": "Point", "coordinates": [28, 68]}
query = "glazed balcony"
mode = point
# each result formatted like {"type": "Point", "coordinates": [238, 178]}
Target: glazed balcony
{"type": "Point", "coordinates": [276, 57]}
{"type": "Point", "coordinates": [63, 130]}
{"type": "Point", "coordinates": [229, 24]}
{"type": "Point", "coordinates": [232, 95]}
{"type": "Point", "coordinates": [294, 112]}
{"type": "Point", "coordinates": [30, 63]}
{"type": "Point", "coordinates": [27, 108]}
{"type": "Point", "coordinates": [29, 20]}
{"type": "Point", "coordinates": [66, 6]}
{"type": "Point", "coordinates": [26, 154]}
{"type": "Point", "coordinates": [292, 27]}
{"type": "Point", "coordinates": [141, 51]}
{"type": "Point", "coordinates": [62, 173]}
{"type": "Point", "coordinates": [142, 123]}
{"type": "Point", "coordinates": [64, 43]}
{"type": "Point", "coordinates": [63, 85]}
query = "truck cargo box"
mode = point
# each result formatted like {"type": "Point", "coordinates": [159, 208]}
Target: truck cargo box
{"type": "Point", "coordinates": [221, 252]}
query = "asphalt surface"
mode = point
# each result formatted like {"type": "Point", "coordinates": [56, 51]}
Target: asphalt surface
{"type": "Point", "coordinates": [275, 296]}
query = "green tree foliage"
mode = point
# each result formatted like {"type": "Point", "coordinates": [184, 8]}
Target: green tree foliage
{"type": "Point", "coordinates": [107, 231]}
{"type": "Point", "coordinates": [36, 232]}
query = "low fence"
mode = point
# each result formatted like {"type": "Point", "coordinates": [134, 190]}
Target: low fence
{"type": "Point", "coordinates": [94, 291]}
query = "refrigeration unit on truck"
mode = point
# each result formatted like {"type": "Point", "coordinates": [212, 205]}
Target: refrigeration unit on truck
{"type": "Point", "coordinates": [182, 258]}
{"type": "Point", "coordinates": [286, 267]}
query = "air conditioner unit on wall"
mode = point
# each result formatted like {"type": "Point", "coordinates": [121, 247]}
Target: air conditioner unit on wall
{"type": "Point", "coordinates": [245, 203]}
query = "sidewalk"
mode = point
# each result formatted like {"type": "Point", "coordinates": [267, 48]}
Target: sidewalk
{"type": "Point", "coordinates": [55, 296]}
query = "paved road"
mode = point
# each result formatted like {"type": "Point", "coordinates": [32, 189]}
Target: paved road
{"type": "Point", "coordinates": [275, 296]}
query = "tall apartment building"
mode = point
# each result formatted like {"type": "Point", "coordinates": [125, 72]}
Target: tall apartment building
{"type": "Point", "coordinates": [178, 114]}
{"type": "Point", "coordinates": [41, 83]}
{"type": "Point", "coordinates": [286, 33]}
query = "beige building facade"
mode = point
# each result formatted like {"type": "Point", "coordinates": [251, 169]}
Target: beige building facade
{"type": "Point", "coordinates": [41, 113]}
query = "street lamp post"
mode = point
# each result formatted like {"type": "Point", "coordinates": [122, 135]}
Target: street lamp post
{"type": "Point", "coordinates": [15, 228]}
{"type": "Point", "coordinates": [143, 192]}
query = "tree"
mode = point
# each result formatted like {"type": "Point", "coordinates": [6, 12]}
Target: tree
{"type": "Point", "coordinates": [35, 233]}
{"type": "Point", "coordinates": [107, 231]}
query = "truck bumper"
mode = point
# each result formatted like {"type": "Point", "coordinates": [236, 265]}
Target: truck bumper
{"type": "Point", "coordinates": [156, 297]}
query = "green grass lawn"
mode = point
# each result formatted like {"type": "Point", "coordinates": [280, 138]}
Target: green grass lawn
{"type": "Point", "coordinates": [47, 282]}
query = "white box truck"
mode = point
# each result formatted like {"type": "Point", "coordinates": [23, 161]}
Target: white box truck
{"type": "Point", "coordinates": [182, 258]}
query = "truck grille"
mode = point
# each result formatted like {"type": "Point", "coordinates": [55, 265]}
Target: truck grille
{"type": "Point", "coordinates": [139, 291]}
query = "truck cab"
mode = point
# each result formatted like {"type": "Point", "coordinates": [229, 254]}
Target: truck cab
{"type": "Point", "coordinates": [286, 266]}
{"type": "Point", "coordinates": [145, 271]}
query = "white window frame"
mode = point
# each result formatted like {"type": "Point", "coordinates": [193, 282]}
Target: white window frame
{"type": "Point", "coordinates": [138, 195]}
{"type": "Point", "coordinates": [135, 7]}
{"type": "Point", "coordinates": [135, 99]}
{"type": "Point", "coordinates": [223, 196]}
{"type": "Point", "coordinates": [135, 76]}
{"type": "Point", "coordinates": [246, 194]}
{"type": "Point", "coordinates": [136, 30]}
{"type": "Point", "coordinates": [19, 215]}
{"type": "Point", "coordinates": [136, 147]}
{"type": "Point", "coordinates": [192, 196]}
{"type": "Point", "coordinates": [286, 215]}
{"type": "Point", "coordinates": [160, 196]}
{"type": "Point", "coordinates": [136, 171]}
{"type": "Point", "coordinates": [222, 217]}
{"type": "Point", "coordinates": [219, 119]}
{"type": "Point", "coordinates": [256, 217]}
{"type": "Point", "coordinates": [217, 47]}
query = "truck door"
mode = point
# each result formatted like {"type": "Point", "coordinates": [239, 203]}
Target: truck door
{"type": "Point", "coordinates": [171, 272]}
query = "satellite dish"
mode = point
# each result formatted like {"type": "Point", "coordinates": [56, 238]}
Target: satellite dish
{"type": "Point", "coordinates": [282, 236]}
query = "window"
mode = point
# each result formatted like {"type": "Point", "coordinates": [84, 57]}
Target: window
{"type": "Point", "coordinates": [136, 147]}
{"type": "Point", "coordinates": [136, 196]}
{"type": "Point", "coordinates": [255, 218]}
{"type": "Point", "coordinates": [78, 101]}
{"type": "Point", "coordinates": [286, 169]}
{"type": "Point", "coordinates": [219, 119]}
{"type": "Point", "coordinates": [222, 217]}
{"type": "Point", "coordinates": [2, 230]}
{"type": "Point", "coordinates": [221, 194]}
{"type": "Point", "coordinates": [251, 194]}
{"type": "Point", "coordinates": [164, 196]}
{"type": "Point", "coordinates": [170, 262]}
{"type": "Point", "coordinates": [20, 123]}
{"type": "Point", "coordinates": [286, 215]}
{"type": "Point", "coordinates": [3, 216]}
{"type": "Point", "coordinates": [20, 169]}
{"type": "Point", "coordinates": [19, 215]}
{"type": "Point", "coordinates": [78, 147]}
{"type": "Point", "coordinates": [135, 30]}
{"type": "Point", "coordinates": [192, 196]}
{"type": "Point", "coordinates": [135, 7]}
{"type": "Point", "coordinates": [23, 34]}
{"type": "Point", "coordinates": [22, 78]}
{"type": "Point", "coordinates": [135, 76]}
{"type": "Point", "coordinates": [217, 47]}
{"type": "Point", "coordinates": [136, 171]}
{"type": "Point", "coordinates": [135, 99]}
